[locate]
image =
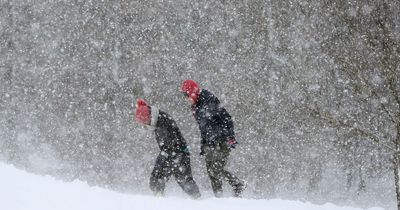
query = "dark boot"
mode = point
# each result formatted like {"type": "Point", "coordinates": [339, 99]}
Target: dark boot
{"type": "Point", "coordinates": [238, 189]}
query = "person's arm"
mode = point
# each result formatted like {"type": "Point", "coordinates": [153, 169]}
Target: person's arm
{"type": "Point", "coordinates": [228, 123]}
{"type": "Point", "coordinates": [228, 128]}
{"type": "Point", "coordinates": [181, 145]}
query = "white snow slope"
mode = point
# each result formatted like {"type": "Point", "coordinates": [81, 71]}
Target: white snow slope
{"type": "Point", "coordinates": [20, 190]}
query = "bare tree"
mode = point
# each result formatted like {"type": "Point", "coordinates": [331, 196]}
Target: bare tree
{"type": "Point", "coordinates": [361, 93]}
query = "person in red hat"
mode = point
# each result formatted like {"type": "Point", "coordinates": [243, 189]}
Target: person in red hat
{"type": "Point", "coordinates": [217, 136]}
{"type": "Point", "coordinates": [174, 157]}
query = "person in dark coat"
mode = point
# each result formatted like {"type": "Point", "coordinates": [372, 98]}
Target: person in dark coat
{"type": "Point", "coordinates": [174, 157]}
{"type": "Point", "coordinates": [217, 136]}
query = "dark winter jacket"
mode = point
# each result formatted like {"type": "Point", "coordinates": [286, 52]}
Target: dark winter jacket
{"type": "Point", "coordinates": [168, 135]}
{"type": "Point", "coordinates": [215, 123]}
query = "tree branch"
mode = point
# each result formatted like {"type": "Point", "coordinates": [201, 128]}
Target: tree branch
{"type": "Point", "coordinates": [326, 118]}
{"type": "Point", "coordinates": [384, 108]}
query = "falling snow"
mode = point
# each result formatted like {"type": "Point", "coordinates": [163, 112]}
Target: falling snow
{"type": "Point", "coordinates": [312, 86]}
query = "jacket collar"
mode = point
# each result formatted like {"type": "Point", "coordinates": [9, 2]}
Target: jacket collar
{"type": "Point", "coordinates": [154, 116]}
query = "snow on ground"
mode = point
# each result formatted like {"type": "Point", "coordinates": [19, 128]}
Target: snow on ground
{"type": "Point", "coordinates": [20, 190]}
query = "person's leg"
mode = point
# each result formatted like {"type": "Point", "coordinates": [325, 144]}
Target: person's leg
{"type": "Point", "coordinates": [215, 163]}
{"type": "Point", "coordinates": [237, 185]}
{"type": "Point", "coordinates": [223, 152]}
{"type": "Point", "coordinates": [183, 175]}
{"type": "Point", "coordinates": [214, 171]}
{"type": "Point", "coordinates": [232, 179]}
{"type": "Point", "coordinates": [159, 176]}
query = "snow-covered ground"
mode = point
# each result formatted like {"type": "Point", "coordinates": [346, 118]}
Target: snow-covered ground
{"type": "Point", "coordinates": [20, 190]}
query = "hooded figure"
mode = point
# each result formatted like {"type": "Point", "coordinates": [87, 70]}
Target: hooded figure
{"type": "Point", "coordinates": [174, 157]}
{"type": "Point", "coordinates": [217, 136]}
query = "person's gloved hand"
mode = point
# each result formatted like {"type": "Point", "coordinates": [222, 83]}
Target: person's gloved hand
{"type": "Point", "coordinates": [185, 149]}
{"type": "Point", "coordinates": [232, 142]}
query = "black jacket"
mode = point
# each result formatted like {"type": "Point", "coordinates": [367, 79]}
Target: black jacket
{"type": "Point", "coordinates": [168, 135]}
{"type": "Point", "coordinates": [215, 123]}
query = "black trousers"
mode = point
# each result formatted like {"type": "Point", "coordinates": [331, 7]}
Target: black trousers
{"type": "Point", "coordinates": [216, 160]}
{"type": "Point", "coordinates": [179, 167]}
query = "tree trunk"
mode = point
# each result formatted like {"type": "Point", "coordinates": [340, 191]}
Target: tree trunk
{"type": "Point", "coordinates": [396, 178]}
{"type": "Point", "coordinates": [397, 164]}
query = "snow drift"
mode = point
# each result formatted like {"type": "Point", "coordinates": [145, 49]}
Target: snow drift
{"type": "Point", "coordinates": [20, 190]}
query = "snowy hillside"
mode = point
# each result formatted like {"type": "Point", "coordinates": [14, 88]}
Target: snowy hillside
{"type": "Point", "coordinates": [20, 190]}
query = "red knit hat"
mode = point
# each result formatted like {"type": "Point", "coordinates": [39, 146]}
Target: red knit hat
{"type": "Point", "coordinates": [142, 112]}
{"type": "Point", "coordinates": [191, 88]}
